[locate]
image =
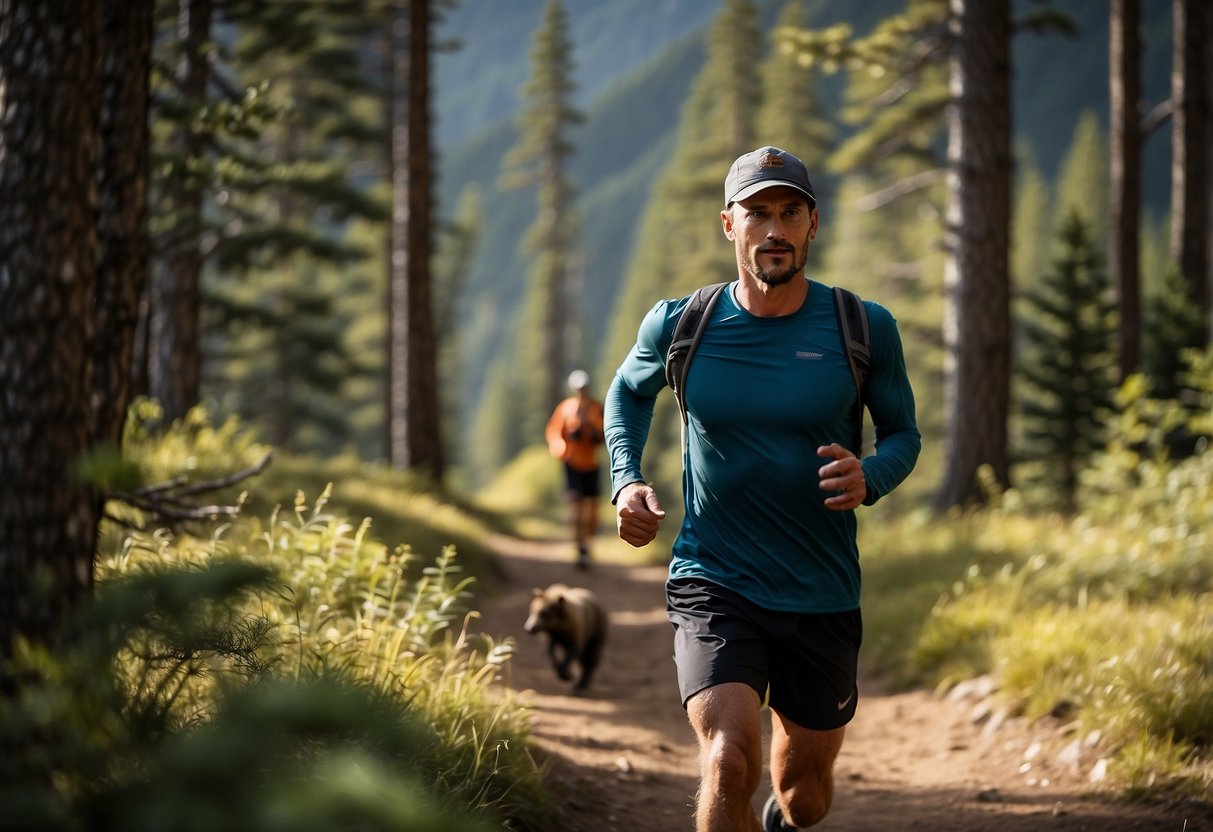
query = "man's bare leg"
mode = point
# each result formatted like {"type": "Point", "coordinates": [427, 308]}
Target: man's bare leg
{"type": "Point", "coordinates": [726, 723]}
{"type": "Point", "coordinates": [802, 770]}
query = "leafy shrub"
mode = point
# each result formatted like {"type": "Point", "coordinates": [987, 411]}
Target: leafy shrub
{"type": "Point", "coordinates": [283, 671]}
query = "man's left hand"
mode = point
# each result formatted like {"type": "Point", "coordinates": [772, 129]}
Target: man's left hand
{"type": "Point", "coordinates": [843, 477]}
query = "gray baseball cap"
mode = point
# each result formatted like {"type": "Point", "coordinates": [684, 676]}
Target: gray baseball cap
{"type": "Point", "coordinates": [765, 168]}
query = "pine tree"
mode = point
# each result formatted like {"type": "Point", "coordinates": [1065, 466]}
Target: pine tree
{"type": "Point", "coordinates": [414, 437]}
{"type": "Point", "coordinates": [680, 245]}
{"type": "Point", "coordinates": [1082, 180]}
{"type": "Point", "coordinates": [1174, 322]}
{"type": "Point", "coordinates": [274, 348]}
{"type": "Point", "coordinates": [791, 115]}
{"type": "Point", "coordinates": [1068, 368]}
{"type": "Point", "coordinates": [977, 314]}
{"type": "Point", "coordinates": [1030, 225]}
{"type": "Point", "coordinates": [174, 353]}
{"type": "Point", "coordinates": [716, 126]}
{"type": "Point", "coordinates": [540, 158]}
{"type": "Point", "coordinates": [288, 101]}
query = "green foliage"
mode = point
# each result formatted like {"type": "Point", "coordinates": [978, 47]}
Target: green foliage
{"type": "Point", "coordinates": [289, 661]}
{"type": "Point", "coordinates": [196, 622]}
{"type": "Point", "coordinates": [1031, 229]}
{"type": "Point", "coordinates": [1101, 618]}
{"type": "Point", "coordinates": [897, 86]}
{"type": "Point", "coordinates": [532, 484]}
{"type": "Point", "coordinates": [1067, 368]}
{"type": "Point", "coordinates": [264, 194]}
{"type": "Point", "coordinates": [1173, 324]}
{"type": "Point", "coordinates": [540, 158]}
{"type": "Point", "coordinates": [792, 115]}
{"type": "Point", "coordinates": [117, 731]}
{"type": "Point", "coordinates": [1082, 181]}
{"type": "Point", "coordinates": [1141, 442]}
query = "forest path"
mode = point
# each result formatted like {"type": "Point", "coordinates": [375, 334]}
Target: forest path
{"type": "Point", "coordinates": [624, 758]}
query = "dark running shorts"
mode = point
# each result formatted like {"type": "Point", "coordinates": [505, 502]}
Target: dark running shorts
{"type": "Point", "coordinates": [582, 483]}
{"type": "Point", "coordinates": [808, 660]}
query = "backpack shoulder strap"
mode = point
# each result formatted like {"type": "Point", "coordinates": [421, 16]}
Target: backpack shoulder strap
{"type": "Point", "coordinates": [857, 342]}
{"type": "Point", "coordinates": [856, 337]}
{"type": "Point", "coordinates": [687, 333]}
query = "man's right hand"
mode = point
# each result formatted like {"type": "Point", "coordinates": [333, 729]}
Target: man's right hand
{"type": "Point", "coordinates": [638, 514]}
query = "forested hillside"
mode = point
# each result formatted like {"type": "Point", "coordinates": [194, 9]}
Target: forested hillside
{"type": "Point", "coordinates": [633, 80]}
{"type": "Point", "coordinates": [276, 350]}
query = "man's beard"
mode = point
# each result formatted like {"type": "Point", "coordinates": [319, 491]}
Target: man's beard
{"type": "Point", "coordinates": [778, 277]}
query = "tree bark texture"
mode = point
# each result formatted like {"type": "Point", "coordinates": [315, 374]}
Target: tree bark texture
{"type": "Point", "coordinates": [174, 342]}
{"type": "Point", "coordinates": [977, 320]}
{"type": "Point", "coordinates": [122, 222]}
{"type": "Point", "coordinates": [50, 92]}
{"type": "Point", "coordinates": [1124, 209]}
{"type": "Point", "coordinates": [1189, 147]}
{"type": "Point", "coordinates": [414, 436]}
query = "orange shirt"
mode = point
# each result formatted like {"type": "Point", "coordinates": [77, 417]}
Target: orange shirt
{"type": "Point", "coordinates": [574, 432]}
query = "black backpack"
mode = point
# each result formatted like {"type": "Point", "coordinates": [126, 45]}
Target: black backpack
{"type": "Point", "coordinates": [852, 326]}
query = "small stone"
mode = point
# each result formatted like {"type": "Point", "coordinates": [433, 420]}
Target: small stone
{"type": "Point", "coordinates": [989, 796]}
{"type": "Point", "coordinates": [1071, 755]}
{"type": "Point", "coordinates": [1099, 771]}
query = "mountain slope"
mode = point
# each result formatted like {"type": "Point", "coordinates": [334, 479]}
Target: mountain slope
{"type": "Point", "coordinates": [636, 60]}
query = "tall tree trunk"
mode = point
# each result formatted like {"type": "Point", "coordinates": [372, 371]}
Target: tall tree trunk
{"type": "Point", "coordinates": [414, 438]}
{"type": "Point", "coordinates": [397, 421]}
{"type": "Point", "coordinates": [977, 322]}
{"type": "Point", "coordinates": [1189, 151]}
{"type": "Point", "coordinates": [425, 441]}
{"type": "Point", "coordinates": [50, 94]}
{"type": "Point", "coordinates": [1124, 266]}
{"type": "Point", "coordinates": [175, 353]}
{"type": "Point", "coordinates": [122, 270]}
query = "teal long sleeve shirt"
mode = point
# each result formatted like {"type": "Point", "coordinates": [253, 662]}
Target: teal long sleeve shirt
{"type": "Point", "coordinates": [762, 395]}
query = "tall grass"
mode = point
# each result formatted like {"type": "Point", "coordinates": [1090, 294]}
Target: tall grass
{"type": "Point", "coordinates": [1104, 617]}
{"type": "Point", "coordinates": [284, 670]}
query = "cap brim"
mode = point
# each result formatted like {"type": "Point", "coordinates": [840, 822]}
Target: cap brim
{"type": "Point", "coordinates": [750, 190]}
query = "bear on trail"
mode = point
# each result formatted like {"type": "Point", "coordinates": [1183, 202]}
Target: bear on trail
{"type": "Point", "coordinates": [576, 625]}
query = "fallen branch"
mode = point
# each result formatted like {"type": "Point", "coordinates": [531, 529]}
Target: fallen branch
{"type": "Point", "coordinates": [161, 502]}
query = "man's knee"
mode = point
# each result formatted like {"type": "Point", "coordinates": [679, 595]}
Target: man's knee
{"type": "Point", "coordinates": [807, 804]}
{"type": "Point", "coordinates": [734, 763]}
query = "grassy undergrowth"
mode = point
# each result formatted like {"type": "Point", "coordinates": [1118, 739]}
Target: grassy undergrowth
{"type": "Point", "coordinates": [1103, 618]}
{"type": "Point", "coordinates": [291, 668]}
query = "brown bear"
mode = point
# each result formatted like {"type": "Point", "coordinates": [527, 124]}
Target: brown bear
{"type": "Point", "coordinates": [576, 625]}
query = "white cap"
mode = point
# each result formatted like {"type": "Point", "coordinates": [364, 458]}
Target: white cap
{"type": "Point", "coordinates": [579, 379]}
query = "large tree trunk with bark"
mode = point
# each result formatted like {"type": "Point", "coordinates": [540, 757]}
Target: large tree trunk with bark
{"type": "Point", "coordinates": [977, 325]}
{"type": "Point", "coordinates": [174, 342]}
{"type": "Point", "coordinates": [50, 92]}
{"type": "Point", "coordinates": [414, 436]}
{"type": "Point", "coordinates": [122, 270]}
{"type": "Point", "coordinates": [1124, 267]}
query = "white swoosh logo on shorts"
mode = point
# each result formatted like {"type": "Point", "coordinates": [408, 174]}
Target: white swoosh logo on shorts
{"type": "Point", "coordinates": [845, 702]}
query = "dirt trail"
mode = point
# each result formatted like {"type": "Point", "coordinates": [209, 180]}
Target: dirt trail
{"type": "Point", "coordinates": [625, 759]}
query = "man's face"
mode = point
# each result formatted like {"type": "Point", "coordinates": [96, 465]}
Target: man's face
{"type": "Point", "coordinates": [771, 231]}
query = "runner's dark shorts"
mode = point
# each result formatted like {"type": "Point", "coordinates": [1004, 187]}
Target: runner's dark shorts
{"type": "Point", "coordinates": [582, 483]}
{"type": "Point", "coordinates": [808, 660]}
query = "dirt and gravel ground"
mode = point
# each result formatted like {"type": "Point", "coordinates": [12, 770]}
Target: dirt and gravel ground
{"type": "Point", "coordinates": [624, 757]}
